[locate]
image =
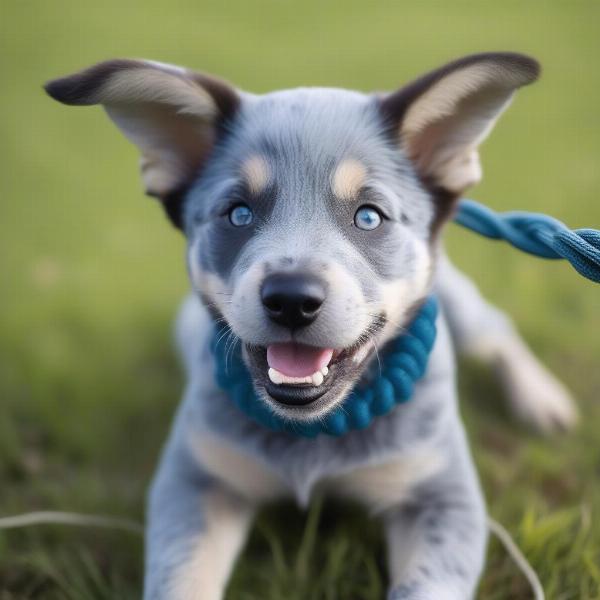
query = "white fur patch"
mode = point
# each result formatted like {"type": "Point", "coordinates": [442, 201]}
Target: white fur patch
{"type": "Point", "coordinates": [386, 485]}
{"type": "Point", "coordinates": [239, 471]}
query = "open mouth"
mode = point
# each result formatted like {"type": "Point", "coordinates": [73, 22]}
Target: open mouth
{"type": "Point", "coordinates": [296, 375]}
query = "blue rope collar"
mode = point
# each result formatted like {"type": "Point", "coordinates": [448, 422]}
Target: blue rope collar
{"type": "Point", "coordinates": [401, 367]}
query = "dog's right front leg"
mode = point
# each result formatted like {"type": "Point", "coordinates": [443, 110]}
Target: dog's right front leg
{"type": "Point", "coordinates": [196, 529]}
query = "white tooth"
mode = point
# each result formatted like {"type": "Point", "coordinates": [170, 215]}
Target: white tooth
{"type": "Point", "coordinates": [324, 370]}
{"type": "Point", "coordinates": [292, 380]}
{"type": "Point", "coordinates": [276, 377]}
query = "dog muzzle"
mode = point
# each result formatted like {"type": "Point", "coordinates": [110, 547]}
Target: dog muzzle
{"type": "Point", "coordinates": [402, 365]}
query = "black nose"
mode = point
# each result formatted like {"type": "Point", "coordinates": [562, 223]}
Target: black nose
{"type": "Point", "coordinates": [292, 299]}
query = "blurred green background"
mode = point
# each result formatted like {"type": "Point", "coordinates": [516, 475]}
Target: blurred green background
{"type": "Point", "coordinates": [91, 275]}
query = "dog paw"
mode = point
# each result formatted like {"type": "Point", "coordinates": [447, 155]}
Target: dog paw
{"type": "Point", "coordinates": [536, 396]}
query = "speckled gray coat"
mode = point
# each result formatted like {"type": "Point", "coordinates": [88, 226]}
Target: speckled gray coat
{"type": "Point", "coordinates": [304, 167]}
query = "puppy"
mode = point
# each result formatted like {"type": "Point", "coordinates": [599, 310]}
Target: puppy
{"type": "Point", "coordinates": [313, 219]}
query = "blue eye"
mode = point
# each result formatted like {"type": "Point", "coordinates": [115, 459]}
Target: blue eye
{"type": "Point", "coordinates": [241, 215]}
{"type": "Point", "coordinates": [367, 218]}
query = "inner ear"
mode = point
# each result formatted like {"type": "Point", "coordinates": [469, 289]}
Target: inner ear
{"type": "Point", "coordinates": [440, 119]}
{"type": "Point", "coordinates": [173, 115]}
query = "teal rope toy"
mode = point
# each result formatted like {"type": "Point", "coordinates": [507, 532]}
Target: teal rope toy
{"type": "Point", "coordinates": [401, 367]}
{"type": "Point", "coordinates": [536, 234]}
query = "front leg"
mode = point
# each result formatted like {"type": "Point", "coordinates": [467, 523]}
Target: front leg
{"type": "Point", "coordinates": [484, 332]}
{"type": "Point", "coordinates": [196, 528]}
{"type": "Point", "coordinates": [436, 541]}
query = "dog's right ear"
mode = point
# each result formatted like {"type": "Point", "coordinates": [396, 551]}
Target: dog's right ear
{"type": "Point", "coordinates": [171, 114]}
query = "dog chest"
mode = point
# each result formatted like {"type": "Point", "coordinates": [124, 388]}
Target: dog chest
{"type": "Point", "coordinates": [383, 485]}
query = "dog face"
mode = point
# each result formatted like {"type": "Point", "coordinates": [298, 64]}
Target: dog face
{"type": "Point", "coordinates": [312, 214]}
{"type": "Point", "coordinates": [311, 239]}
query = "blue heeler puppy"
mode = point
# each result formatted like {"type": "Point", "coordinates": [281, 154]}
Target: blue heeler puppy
{"type": "Point", "coordinates": [314, 218]}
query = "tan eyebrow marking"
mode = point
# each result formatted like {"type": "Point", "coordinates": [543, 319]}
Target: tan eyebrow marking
{"type": "Point", "coordinates": [347, 179]}
{"type": "Point", "coordinates": [256, 173]}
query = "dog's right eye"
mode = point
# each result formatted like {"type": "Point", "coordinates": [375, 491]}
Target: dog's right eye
{"type": "Point", "coordinates": [241, 215]}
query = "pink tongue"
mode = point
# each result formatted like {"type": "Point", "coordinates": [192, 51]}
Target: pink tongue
{"type": "Point", "coordinates": [297, 360]}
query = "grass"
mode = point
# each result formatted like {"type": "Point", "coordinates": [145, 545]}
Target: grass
{"type": "Point", "coordinates": [91, 275]}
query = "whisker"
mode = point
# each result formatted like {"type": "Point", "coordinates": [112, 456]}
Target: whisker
{"type": "Point", "coordinates": [374, 343]}
{"type": "Point", "coordinates": [222, 335]}
{"type": "Point", "coordinates": [230, 348]}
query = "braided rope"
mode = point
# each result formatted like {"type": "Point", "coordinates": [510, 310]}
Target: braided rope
{"type": "Point", "coordinates": [536, 234]}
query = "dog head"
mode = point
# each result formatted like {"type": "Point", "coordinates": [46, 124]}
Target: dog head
{"type": "Point", "coordinates": [312, 214]}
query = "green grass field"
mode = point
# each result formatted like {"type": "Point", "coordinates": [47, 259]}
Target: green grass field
{"type": "Point", "coordinates": [91, 275]}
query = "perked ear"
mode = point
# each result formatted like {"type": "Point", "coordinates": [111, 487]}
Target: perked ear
{"type": "Point", "coordinates": [441, 118]}
{"type": "Point", "coordinates": [171, 114]}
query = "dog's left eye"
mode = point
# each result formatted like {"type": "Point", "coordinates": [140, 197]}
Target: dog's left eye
{"type": "Point", "coordinates": [241, 215]}
{"type": "Point", "coordinates": [367, 218]}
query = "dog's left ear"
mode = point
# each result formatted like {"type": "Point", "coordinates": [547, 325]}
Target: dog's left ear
{"type": "Point", "coordinates": [173, 115]}
{"type": "Point", "coordinates": [441, 118]}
